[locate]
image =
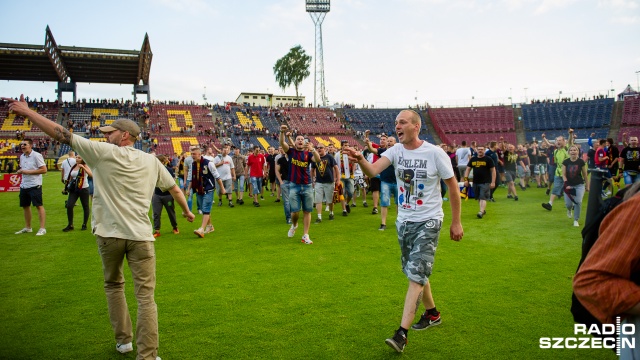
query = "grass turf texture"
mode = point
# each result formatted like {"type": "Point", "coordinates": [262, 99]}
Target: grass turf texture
{"type": "Point", "coordinates": [248, 291]}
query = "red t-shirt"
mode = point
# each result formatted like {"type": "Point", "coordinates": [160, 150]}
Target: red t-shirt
{"type": "Point", "coordinates": [256, 163]}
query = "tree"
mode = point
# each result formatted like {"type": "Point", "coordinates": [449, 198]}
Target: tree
{"type": "Point", "coordinates": [292, 68]}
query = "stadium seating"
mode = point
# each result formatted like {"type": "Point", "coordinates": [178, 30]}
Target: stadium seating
{"type": "Point", "coordinates": [591, 114]}
{"type": "Point", "coordinates": [480, 124]}
{"type": "Point", "coordinates": [312, 121]}
{"type": "Point", "coordinates": [631, 111]}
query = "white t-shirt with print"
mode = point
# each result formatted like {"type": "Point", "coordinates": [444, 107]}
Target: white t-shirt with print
{"type": "Point", "coordinates": [225, 169]}
{"type": "Point", "coordinates": [418, 174]}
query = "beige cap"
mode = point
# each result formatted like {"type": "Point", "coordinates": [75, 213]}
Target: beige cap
{"type": "Point", "coordinates": [123, 125]}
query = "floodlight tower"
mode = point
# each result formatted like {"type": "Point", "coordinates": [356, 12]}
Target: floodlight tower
{"type": "Point", "coordinates": [318, 9]}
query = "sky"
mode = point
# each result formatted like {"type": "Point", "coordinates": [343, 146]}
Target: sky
{"type": "Point", "coordinates": [382, 53]}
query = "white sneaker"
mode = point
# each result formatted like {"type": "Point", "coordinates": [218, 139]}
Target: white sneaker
{"type": "Point", "coordinates": [292, 231]}
{"type": "Point", "coordinates": [200, 212]}
{"type": "Point", "coordinates": [124, 348]}
{"type": "Point", "coordinates": [326, 208]}
{"type": "Point", "coordinates": [575, 223]}
{"type": "Point", "coordinates": [41, 232]}
{"type": "Point", "coordinates": [208, 229]}
{"type": "Point", "coordinates": [24, 230]}
{"type": "Point", "coordinates": [306, 239]}
{"type": "Point", "coordinates": [569, 214]}
{"type": "Point", "coordinates": [199, 232]}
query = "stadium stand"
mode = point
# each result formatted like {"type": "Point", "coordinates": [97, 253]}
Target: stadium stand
{"type": "Point", "coordinates": [481, 124]}
{"type": "Point", "coordinates": [311, 121]}
{"type": "Point", "coordinates": [631, 110]}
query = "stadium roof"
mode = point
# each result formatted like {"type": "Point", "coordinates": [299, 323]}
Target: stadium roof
{"type": "Point", "coordinates": [50, 62]}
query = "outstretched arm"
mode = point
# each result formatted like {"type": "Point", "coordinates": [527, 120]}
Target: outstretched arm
{"type": "Point", "coordinates": [56, 131]}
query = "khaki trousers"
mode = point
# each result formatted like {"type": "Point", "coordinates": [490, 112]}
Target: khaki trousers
{"type": "Point", "coordinates": [142, 262]}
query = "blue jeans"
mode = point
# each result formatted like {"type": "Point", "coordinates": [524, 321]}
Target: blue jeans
{"type": "Point", "coordinates": [238, 185]}
{"type": "Point", "coordinates": [284, 190]}
{"type": "Point", "coordinates": [630, 178]}
{"type": "Point", "coordinates": [206, 201]}
{"type": "Point", "coordinates": [578, 199]}
{"type": "Point", "coordinates": [386, 190]}
{"type": "Point", "coordinates": [256, 184]}
{"type": "Point", "coordinates": [300, 197]}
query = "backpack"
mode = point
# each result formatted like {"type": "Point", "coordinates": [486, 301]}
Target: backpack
{"type": "Point", "coordinates": [589, 237]}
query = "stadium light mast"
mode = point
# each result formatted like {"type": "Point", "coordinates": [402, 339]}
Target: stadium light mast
{"type": "Point", "coordinates": [318, 9]}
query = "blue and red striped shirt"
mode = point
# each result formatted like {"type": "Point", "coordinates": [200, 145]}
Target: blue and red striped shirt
{"type": "Point", "coordinates": [299, 162]}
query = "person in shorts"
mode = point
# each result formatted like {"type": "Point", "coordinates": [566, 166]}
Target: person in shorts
{"type": "Point", "coordinates": [32, 167]}
{"type": "Point", "coordinates": [484, 178]}
{"type": "Point", "coordinates": [325, 173]}
{"type": "Point", "coordinates": [300, 187]}
{"type": "Point", "coordinates": [420, 215]}
{"type": "Point", "coordinates": [630, 161]}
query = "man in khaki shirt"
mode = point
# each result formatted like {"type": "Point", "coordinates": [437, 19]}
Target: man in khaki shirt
{"type": "Point", "coordinates": [124, 179]}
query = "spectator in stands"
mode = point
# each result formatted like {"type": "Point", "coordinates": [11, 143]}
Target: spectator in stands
{"type": "Point", "coordinates": [204, 175]}
{"type": "Point", "coordinates": [463, 155]}
{"type": "Point", "coordinates": [325, 176]}
{"type": "Point", "coordinates": [560, 154]}
{"type": "Point", "coordinates": [574, 175]}
{"type": "Point", "coordinates": [419, 215]}
{"type": "Point", "coordinates": [630, 161]}
{"type": "Point", "coordinates": [484, 178]}
{"type": "Point", "coordinates": [163, 199]}
{"type": "Point", "coordinates": [300, 188]}
{"type": "Point", "coordinates": [227, 172]}
{"type": "Point", "coordinates": [256, 165]}
{"type": "Point", "coordinates": [32, 167]}
{"type": "Point", "coordinates": [239, 164]}
{"type": "Point", "coordinates": [120, 220]}
{"type": "Point", "coordinates": [77, 185]}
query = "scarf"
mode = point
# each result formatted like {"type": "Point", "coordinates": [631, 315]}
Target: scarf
{"type": "Point", "coordinates": [196, 176]}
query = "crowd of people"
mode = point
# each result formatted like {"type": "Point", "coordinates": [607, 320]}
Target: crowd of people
{"type": "Point", "coordinates": [304, 178]}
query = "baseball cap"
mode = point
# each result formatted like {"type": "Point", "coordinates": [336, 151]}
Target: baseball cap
{"type": "Point", "coordinates": [123, 125]}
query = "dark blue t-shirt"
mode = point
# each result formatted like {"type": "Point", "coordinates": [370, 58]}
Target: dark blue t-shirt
{"type": "Point", "coordinates": [387, 175]}
{"type": "Point", "coordinates": [324, 169]}
{"type": "Point", "coordinates": [299, 162]}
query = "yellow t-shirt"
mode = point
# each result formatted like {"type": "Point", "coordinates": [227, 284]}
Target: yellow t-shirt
{"type": "Point", "coordinates": [124, 179]}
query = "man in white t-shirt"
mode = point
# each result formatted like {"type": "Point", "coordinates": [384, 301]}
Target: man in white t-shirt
{"type": "Point", "coordinates": [463, 155]}
{"type": "Point", "coordinates": [419, 166]}
{"type": "Point", "coordinates": [67, 165]}
{"type": "Point", "coordinates": [32, 167]}
{"type": "Point", "coordinates": [227, 172]}
{"type": "Point", "coordinates": [125, 180]}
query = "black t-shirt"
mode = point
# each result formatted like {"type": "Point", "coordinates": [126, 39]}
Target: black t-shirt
{"type": "Point", "coordinates": [533, 159]}
{"type": "Point", "coordinates": [481, 169]}
{"type": "Point", "coordinates": [631, 158]}
{"type": "Point", "coordinates": [324, 169]}
{"type": "Point", "coordinates": [614, 153]}
{"type": "Point", "coordinates": [510, 161]}
{"type": "Point", "coordinates": [574, 171]}
{"type": "Point", "coordinates": [157, 190]}
{"type": "Point", "coordinates": [271, 160]}
{"type": "Point", "coordinates": [284, 167]}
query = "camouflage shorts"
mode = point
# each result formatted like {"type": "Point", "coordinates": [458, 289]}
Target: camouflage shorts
{"type": "Point", "coordinates": [418, 242]}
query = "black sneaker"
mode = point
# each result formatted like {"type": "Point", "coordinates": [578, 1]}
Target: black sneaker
{"type": "Point", "coordinates": [397, 342]}
{"type": "Point", "coordinates": [383, 227]}
{"type": "Point", "coordinates": [515, 198]}
{"type": "Point", "coordinates": [480, 214]}
{"type": "Point", "coordinates": [353, 205]}
{"type": "Point", "coordinates": [68, 228]}
{"type": "Point", "coordinates": [547, 206]}
{"type": "Point", "coordinates": [241, 202]}
{"type": "Point", "coordinates": [344, 213]}
{"type": "Point", "coordinates": [219, 203]}
{"type": "Point", "coordinates": [84, 227]}
{"type": "Point", "coordinates": [548, 191]}
{"type": "Point", "coordinates": [364, 204]}
{"type": "Point", "coordinates": [509, 196]}
{"type": "Point", "coordinates": [231, 203]}
{"type": "Point", "coordinates": [330, 216]}
{"type": "Point", "coordinates": [277, 200]}
{"type": "Point", "coordinates": [348, 209]}
{"type": "Point", "coordinates": [256, 204]}
{"type": "Point", "coordinates": [318, 221]}
{"type": "Point", "coordinates": [261, 197]}
{"type": "Point", "coordinates": [426, 321]}
{"type": "Point", "coordinates": [492, 200]}
{"type": "Point", "coordinates": [374, 211]}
